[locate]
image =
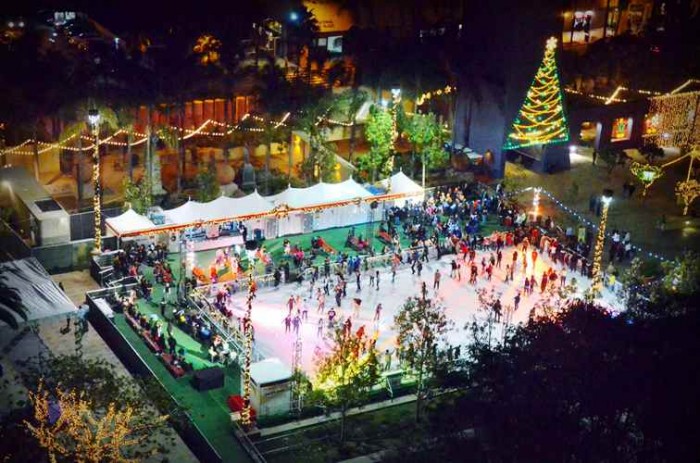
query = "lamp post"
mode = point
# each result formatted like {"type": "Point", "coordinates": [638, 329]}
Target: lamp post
{"type": "Point", "coordinates": [536, 203]}
{"type": "Point", "coordinates": [248, 332]}
{"type": "Point", "coordinates": [94, 124]}
{"type": "Point", "coordinates": [597, 276]}
{"type": "Point", "coordinates": [395, 101]}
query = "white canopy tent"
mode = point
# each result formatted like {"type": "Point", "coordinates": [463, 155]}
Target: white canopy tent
{"type": "Point", "coordinates": [129, 221]}
{"type": "Point", "coordinates": [322, 206]}
{"type": "Point", "coordinates": [400, 183]}
{"type": "Point", "coordinates": [318, 195]}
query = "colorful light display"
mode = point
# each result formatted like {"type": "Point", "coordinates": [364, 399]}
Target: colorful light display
{"type": "Point", "coordinates": [541, 119]}
{"type": "Point", "coordinates": [646, 174]}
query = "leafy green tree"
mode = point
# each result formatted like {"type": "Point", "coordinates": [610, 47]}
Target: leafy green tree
{"type": "Point", "coordinates": [346, 374]}
{"type": "Point", "coordinates": [379, 132]}
{"type": "Point", "coordinates": [137, 195]}
{"type": "Point", "coordinates": [682, 276]}
{"type": "Point", "coordinates": [421, 326]}
{"type": "Point", "coordinates": [656, 290]}
{"type": "Point", "coordinates": [321, 162]}
{"type": "Point", "coordinates": [427, 138]}
{"type": "Point", "coordinates": [207, 185]}
{"type": "Point", "coordinates": [539, 396]}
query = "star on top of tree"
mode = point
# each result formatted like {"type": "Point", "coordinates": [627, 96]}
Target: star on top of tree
{"type": "Point", "coordinates": [551, 43]}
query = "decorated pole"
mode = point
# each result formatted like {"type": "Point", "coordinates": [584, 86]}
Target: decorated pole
{"type": "Point", "coordinates": [536, 203]}
{"type": "Point", "coordinates": [600, 245]}
{"type": "Point", "coordinates": [94, 123]}
{"type": "Point", "coordinates": [248, 331]}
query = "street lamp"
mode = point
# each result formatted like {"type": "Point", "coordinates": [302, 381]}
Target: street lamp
{"type": "Point", "coordinates": [536, 203]}
{"type": "Point", "coordinates": [94, 124]}
{"type": "Point", "coordinates": [597, 276]}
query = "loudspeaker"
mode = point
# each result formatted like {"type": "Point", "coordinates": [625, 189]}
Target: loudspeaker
{"type": "Point", "coordinates": [208, 378]}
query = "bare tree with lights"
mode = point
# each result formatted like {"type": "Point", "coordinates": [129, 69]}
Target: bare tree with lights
{"type": "Point", "coordinates": [66, 426]}
{"type": "Point", "coordinates": [346, 374]}
{"type": "Point", "coordinates": [421, 326]}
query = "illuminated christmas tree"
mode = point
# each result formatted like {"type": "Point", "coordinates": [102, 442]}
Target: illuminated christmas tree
{"type": "Point", "coordinates": [541, 119]}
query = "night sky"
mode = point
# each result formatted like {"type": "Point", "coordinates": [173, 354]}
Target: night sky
{"type": "Point", "coordinates": [124, 16]}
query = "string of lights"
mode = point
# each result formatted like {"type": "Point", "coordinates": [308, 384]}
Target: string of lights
{"type": "Point", "coordinates": [422, 98]}
{"type": "Point", "coordinates": [248, 330]}
{"type": "Point", "coordinates": [109, 140]}
{"type": "Point", "coordinates": [597, 276]}
{"type": "Point", "coordinates": [589, 223]}
{"type": "Point", "coordinates": [541, 119]}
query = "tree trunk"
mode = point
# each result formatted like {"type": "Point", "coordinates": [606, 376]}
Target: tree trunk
{"type": "Point", "coordinates": [149, 147]}
{"type": "Point", "coordinates": [351, 148]}
{"type": "Point", "coordinates": [130, 155]}
{"type": "Point", "coordinates": [182, 158]}
{"type": "Point", "coordinates": [36, 155]}
{"type": "Point", "coordinates": [79, 180]}
{"type": "Point", "coordinates": [419, 389]}
{"type": "Point", "coordinates": [268, 155]}
{"type": "Point", "coordinates": [290, 150]}
{"type": "Point", "coordinates": [423, 162]}
{"type": "Point", "coordinates": [343, 412]}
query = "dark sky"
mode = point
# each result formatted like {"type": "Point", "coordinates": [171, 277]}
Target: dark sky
{"type": "Point", "coordinates": [133, 15]}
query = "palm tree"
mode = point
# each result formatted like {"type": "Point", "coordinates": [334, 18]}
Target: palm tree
{"type": "Point", "coordinates": [353, 99]}
{"type": "Point", "coordinates": [10, 304]}
{"type": "Point", "coordinates": [108, 119]}
{"type": "Point", "coordinates": [125, 121]}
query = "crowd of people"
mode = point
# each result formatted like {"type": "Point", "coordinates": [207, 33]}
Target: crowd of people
{"type": "Point", "coordinates": [449, 222]}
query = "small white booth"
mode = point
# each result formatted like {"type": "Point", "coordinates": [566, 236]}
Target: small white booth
{"type": "Point", "coordinates": [271, 387]}
{"type": "Point", "coordinates": [400, 183]}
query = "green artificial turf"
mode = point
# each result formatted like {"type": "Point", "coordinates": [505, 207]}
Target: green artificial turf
{"type": "Point", "coordinates": [208, 409]}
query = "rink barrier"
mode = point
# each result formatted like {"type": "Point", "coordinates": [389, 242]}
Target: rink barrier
{"type": "Point", "coordinates": [268, 279]}
{"type": "Point", "coordinates": [234, 336]}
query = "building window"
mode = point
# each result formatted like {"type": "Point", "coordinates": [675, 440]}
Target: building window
{"type": "Point", "coordinates": [335, 44]}
{"type": "Point", "coordinates": [621, 129]}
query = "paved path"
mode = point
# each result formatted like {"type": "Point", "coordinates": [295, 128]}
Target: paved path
{"type": "Point", "coordinates": [60, 341]}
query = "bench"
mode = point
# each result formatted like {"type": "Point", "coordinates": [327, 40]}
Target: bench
{"type": "Point", "coordinates": [151, 343]}
{"type": "Point", "coordinates": [175, 370]}
{"type": "Point", "coordinates": [144, 334]}
{"type": "Point", "coordinates": [354, 243]}
{"type": "Point", "coordinates": [384, 237]}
